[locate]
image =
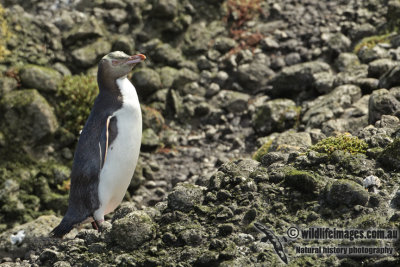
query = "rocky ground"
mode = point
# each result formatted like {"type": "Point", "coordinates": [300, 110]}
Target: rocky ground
{"type": "Point", "coordinates": [284, 114]}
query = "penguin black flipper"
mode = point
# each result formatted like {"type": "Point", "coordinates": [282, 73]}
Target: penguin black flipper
{"type": "Point", "coordinates": [108, 135]}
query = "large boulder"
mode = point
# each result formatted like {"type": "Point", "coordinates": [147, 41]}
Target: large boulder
{"type": "Point", "coordinates": [382, 102]}
{"type": "Point", "coordinates": [82, 32]}
{"type": "Point", "coordinates": [27, 117]}
{"type": "Point", "coordinates": [300, 77]}
{"type": "Point", "coordinates": [253, 76]}
{"type": "Point", "coordinates": [346, 192]}
{"type": "Point", "coordinates": [89, 55]}
{"type": "Point", "coordinates": [132, 230]}
{"type": "Point", "coordinates": [380, 66]}
{"type": "Point", "coordinates": [390, 78]}
{"type": "Point", "coordinates": [32, 235]}
{"type": "Point", "coordinates": [146, 81]}
{"type": "Point", "coordinates": [291, 141]}
{"type": "Point", "coordinates": [185, 197]}
{"type": "Point", "coordinates": [390, 156]}
{"type": "Point", "coordinates": [40, 78]}
{"type": "Point", "coordinates": [7, 84]}
{"type": "Point", "coordinates": [165, 9]}
{"type": "Point", "coordinates": [330, 106]}
{"type": "Point", "coordinates": [275, 116]}
{"type": "Point", "coordinates": [183, 77]}
{"type": "Point", "coordinates": [232, 101]}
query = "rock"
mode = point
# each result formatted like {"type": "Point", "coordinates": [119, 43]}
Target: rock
{"type": "Point", "coordinates": [292, 58]}
{"type": "Point", "coordinates": [165, 9]}
{"type": "Point", "coordinates": [36, 233]}
{"type": "Point", "coordinates": [294, 79]}
{"type": "Point", "coordinates": [61, 264]}
{"type": "Point", "coordinates": [329, 106]}
{"type": "Point", "coordinates": [90, 54]}
{"type": "Point", "coordinates": [28, 118]}
{"type": "Point", "coordinates": [61, 68]}
{"type": "Point", "coordinates": [275, 116]}
{"type": "Point", "coordinates": [167, 55]}
{"type": "Point", "coordinates": [269, 43]}
{"type": "Point", "coordinates": [83, 32]}
{"type": "Point", "coordinates": [40, 78]}
{"type": "Point", "coordinates": [361, 31]}
{"type": "Point", "coordinates": [174, 105]}
{"type": "Point", "coordinates": [131, 231]}
{"type": "Point", "coordinates": [367, 85]}
{"type": "Point", "coordinates": [191, 237]}
{"type": "Point", "coordinates": [381, 102]}
{"type": "Point", "coordinates": [346, 192]}
{"type": "Point", "coordinates": [193, 89]}
{"type": "Point", "coordinates": [290, 141]}
{"type": "Point", "coordinates": [152, 118]}
{"type": "Point", "coordinates": [224, 44]}
{"type": "Point", "coordinates": [378, 67]}
{"type": "Point", "coordinates": [185, 197]}
{"type": "Point", "coordinates": [183, 77]}
{"type": "Point", "coordinates": [390, 78]}
{"type": "Point", "coordinates": [241, 167]}
{"type": "Point", "coordinates": [124, 43]}
{"type": "Point", "coordinates": [272, 157]}
{"type": "Point", "coordinates": [197, 39]}
{"type": "Point", "coordinates": [7, 84]}
{"type": "Point", "coordinates": [150, 140]}
{"type": "Point", "coordinates": [146, 81]}
{"type": "Point", "coordinates": [323, 82]}
{"type": "Point", "coordinates": [337, 43]}
{"type": "Point", "coordinates": [254, 76]}
{"type": "Point", "coordinates": [390, 156]}
{"type": "Point", "coordinates": [351, 75]}
{"type": "Point", "coordinates": [367, 55]}
{"type": "Point", "coordinates": [167, 76]}
{"type": "Point", "coordinates": [304, 181]}
{"type": "Point", "coordinates": [346, 61]}
{"type": "Point", "coordinates": [351, 125]}
{"type": "Point", "coordinates": [232, 101]}
{"type": "Point", "coordinates": [116, 16]}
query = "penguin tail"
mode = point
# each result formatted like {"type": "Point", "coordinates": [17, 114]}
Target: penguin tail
{"type": "Point", "coordinates": [62, 229]}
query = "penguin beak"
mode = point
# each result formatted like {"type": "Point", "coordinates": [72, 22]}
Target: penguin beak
{"type": "Point", "coordinates": [136, 59]}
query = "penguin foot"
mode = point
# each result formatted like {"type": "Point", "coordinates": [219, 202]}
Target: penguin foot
{"type": "Point", "coordinates": [95, 226]}
{"type": "Point", "coordinates": [99, 225]}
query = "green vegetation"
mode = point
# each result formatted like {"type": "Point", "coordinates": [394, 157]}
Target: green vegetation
{"type": "Point", "coordinates": [77, 94]}
{"type": "Point", "coordinates": [262, 151]}
{"type": "Point", "coordinates": [5, 34]}
{"type": "Point", "coordinates": [344, 142]}
{"type": "Point", "coordinates": [371, 41]}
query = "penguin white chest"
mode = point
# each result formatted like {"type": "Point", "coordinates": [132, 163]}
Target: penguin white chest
{"type": "Point", "coordinates": [123, 152]}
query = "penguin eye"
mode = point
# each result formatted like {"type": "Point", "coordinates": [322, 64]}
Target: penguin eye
{"type": "Point", "coordinates": [114, 62]}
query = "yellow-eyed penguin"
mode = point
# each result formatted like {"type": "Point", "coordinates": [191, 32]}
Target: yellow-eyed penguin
{"type": "Point", "coordinates": [108, 147]}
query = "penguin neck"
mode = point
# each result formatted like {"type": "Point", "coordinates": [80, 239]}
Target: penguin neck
{"type": "Point", "coordinates": [107, 85]}
{"type": "Point", "coordinates": [128, 92]}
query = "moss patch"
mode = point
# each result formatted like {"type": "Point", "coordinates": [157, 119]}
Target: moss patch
{"type": "Point", "coordinates": [344, 142]}
{"type": "Point", "coordinates": [371, 41]}
{"type": "Point", "coordinates": [5, 34]}
{"type": "Point", "coordinates": [262, 151]}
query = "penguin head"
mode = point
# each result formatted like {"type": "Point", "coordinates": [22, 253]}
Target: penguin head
{"type": "Point", "coordinates": [117, 64]}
